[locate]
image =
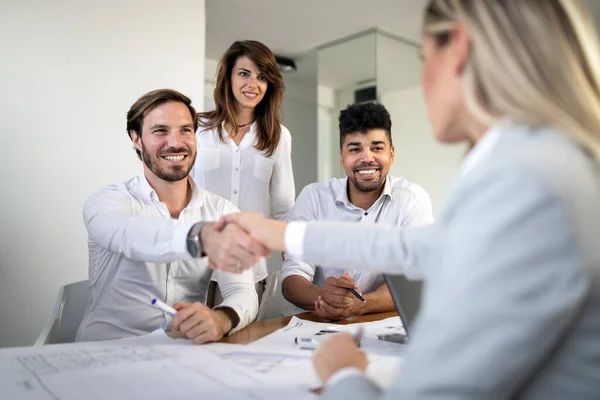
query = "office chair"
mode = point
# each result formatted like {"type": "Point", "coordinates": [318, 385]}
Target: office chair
{"type": "Point", "coordinates": [272, 301]}
{"type": "Point", "coordinates": [67, 315]}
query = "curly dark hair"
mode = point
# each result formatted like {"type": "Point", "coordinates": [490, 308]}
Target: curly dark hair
{"type": "Point", "coordinates": [363, 117]}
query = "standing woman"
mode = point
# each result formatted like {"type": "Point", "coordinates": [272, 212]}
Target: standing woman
{"type": "Point", "coordinates": [244, 153]}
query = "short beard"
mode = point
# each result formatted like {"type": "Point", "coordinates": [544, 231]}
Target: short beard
{"type": "Point", "coordinates": [367, 187]}
{"type": "Point", "coordinates": [174, 175]}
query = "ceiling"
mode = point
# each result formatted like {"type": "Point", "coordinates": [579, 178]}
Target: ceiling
{"type": "Point", "coordinates": [292, 28]}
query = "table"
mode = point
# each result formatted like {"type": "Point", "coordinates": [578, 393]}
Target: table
{"type": "Point", "coordinates": [259, 329]}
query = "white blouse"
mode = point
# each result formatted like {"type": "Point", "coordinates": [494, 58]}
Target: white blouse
{"type": "Point", "coordinates": [243, 175]}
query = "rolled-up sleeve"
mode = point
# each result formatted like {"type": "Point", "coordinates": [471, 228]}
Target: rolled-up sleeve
{"type": "Point", "coordinates": [239, 294]}
{"type": "Point", "coordinates": [282, 188]}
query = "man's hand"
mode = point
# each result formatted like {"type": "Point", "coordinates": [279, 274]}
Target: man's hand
{"type": "Point", "coordinates": [336, 302]}
{"type": "Point", "coordinates": [200, 323]}
{"type": "Point", "coordinates": [335, 291]}
{"type": "Point", "coordinates": [338, 352]}
{"type": "Point", "coordinates": [269, 232]}
{"type": "Point", "coordinates": [230, 248]}
{"type": "Point", "coordinates": [327, 312]}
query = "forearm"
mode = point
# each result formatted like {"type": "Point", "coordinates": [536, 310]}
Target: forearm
{"type": "Point", "coordinates": [369, 248]}
{"type": "Point", "coordinates": [301, 292]}
{"type": "Point", "coordinates": [379, 300]}
{"type": "Point", "coordinates": [152, 239]}
{"type": "Point", "coordinates": [227, 318]}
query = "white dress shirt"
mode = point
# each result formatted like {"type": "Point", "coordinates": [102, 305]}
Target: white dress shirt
{"type": "Point", "coordinates": [401, 203]}
{"type": "Point", "coordinates": [137, 252]}
{"type": "Point", "coordinates": [243, 175]}
{"type": "Point", "coordinates": [294, 237]}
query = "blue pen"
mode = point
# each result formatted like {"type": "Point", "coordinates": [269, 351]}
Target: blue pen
{"type": "Point", "coordinates": [164, 307]}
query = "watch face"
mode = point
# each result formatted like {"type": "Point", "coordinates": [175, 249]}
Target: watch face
{"type": "Point", "coordinates": [192, 247]}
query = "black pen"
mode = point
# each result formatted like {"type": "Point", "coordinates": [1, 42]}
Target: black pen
{"type": "Point", "coordinates": [358, 296]}
{"type": "Point", "coordinates": [354, 292]}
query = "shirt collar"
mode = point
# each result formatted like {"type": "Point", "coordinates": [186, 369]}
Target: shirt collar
{"type": "Point", "coordinates": [249, 137]}
{"type": "Point", "coordinates": [482, 149]}
{"type": "Point", "coordinates": [150, 194]}
{"type": "Point", "coordinates": [341, 195]}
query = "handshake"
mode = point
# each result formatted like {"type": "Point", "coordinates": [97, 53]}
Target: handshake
{"type": "Point", "coordinates": [238, 241]}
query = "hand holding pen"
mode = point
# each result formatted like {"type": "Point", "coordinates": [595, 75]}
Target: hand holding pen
{"type": "Point", "coordinates": [340, 291]}
{"type": "Point", "coordinates": [338, 298]}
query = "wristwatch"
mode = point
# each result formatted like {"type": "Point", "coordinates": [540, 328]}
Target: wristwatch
{"type": "Point", "coordinates": [194, 241]}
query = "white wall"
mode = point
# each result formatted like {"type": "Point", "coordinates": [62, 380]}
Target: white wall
{"type": "Point", "coordinates": [326, 129]}
{"type": "Point", "coordinates": [419, 158]}
{"type": "Point", "coordinates": [210, 77]}
{"type": "Point", "coordinates": [300, 117]}
{"type": "Point", "coordinates": [329, 140]}
{"type": "Point", "coordinates": [70, 70]}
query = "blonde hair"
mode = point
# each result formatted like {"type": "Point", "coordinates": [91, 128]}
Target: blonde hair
{"type": "Point", "coordinates": [536, 61]}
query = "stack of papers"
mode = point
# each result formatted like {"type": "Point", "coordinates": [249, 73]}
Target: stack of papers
{"type": "Point", "coordinates": [155, 366]}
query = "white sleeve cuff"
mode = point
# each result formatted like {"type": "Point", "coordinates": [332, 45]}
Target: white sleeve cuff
{"type": "Point", "coordinates": [344, 373]}
{"type": "Point", "coordinates": [243, 320]}
{"type": "Point", "coordinates": [294, 239]}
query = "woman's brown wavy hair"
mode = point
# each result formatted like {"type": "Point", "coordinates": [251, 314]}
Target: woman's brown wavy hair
{"type": "Point", "coordinates": [267, 113]}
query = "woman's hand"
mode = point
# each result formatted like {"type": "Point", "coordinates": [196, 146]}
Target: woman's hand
{"type": "Point", "coordinates": [337, 352]}
{"type": "Point", "coordinates": [269, 232]}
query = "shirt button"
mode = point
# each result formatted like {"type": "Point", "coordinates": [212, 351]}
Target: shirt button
{"type": "Point", "coordinates": [237, 150]}
{"type": "Point", "coordinates": [366, 213]}
{"type": "Point", "coordinates": [235, 192]}
{"type": "Point", "coordinates": [237, 169]}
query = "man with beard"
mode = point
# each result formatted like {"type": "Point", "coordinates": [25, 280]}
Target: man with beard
{"type": "Point", "coordinates": [369, 195]}
{"type": "Point", "coordinates": [149, 238]}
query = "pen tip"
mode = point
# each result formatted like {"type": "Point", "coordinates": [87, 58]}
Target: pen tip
{"type": "Point", "coordinates": [153, 301]}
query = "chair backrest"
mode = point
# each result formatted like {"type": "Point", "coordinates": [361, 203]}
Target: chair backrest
{"type": "Point", "coordinates": [67, 315]}
{"type": "Point", "coordinates": [272, 301]}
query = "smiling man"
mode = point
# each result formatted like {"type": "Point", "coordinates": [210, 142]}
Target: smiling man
{"type": "Point", "coordinates": [368, 194]}
{"type": "Point", "coordinates": [149, 238]}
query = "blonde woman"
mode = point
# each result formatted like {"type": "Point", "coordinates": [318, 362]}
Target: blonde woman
{"type": "Point", "coordinates": [512, 266]}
